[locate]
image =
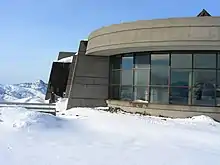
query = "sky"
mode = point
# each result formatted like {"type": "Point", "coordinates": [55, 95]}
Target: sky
{"type": "Point", "coordinates": [33, 32]}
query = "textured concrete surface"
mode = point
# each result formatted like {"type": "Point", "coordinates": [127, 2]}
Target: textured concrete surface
{"type": "Point", "coordinates": [55, 73]}
{"type": "Point", "coordinates": [90, 78]}
{"type": "Point", "coordinates": [70, 77]}
{"type": "Point", "coordinates": [196, 33]}
{"type": "Point", "coordinates": [176, 111]}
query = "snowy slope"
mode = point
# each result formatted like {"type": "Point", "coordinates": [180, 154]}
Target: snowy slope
{"type": "Point", "coordinates": [23, 91]}
{"type": "Point", "coordinates": [90, 137]}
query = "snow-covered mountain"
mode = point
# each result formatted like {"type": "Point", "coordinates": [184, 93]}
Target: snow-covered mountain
{"type": "Point", "coordinates": [24, 92]}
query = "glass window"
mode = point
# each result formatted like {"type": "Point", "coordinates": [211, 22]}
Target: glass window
{"type": "Point", "coordinates": [159, 60]}
{"type": "Point", "coordinates": [115, 62]}
{"type": "Point", "coordinates": [204, 87]}
{"type": "Point", "coordinates": [204, 60]}
{"type": "Point", "coordinates": [218, 89]}
{"type": "Point", "coordinates": [180, 95]}
{"type": "Point", "coordinates": [141, 93]}
{"type": "Point", "coordinates": [218, 60]}
{"type": "Point", "coordinates": [181, 60]}
{"type": "Point", "coordinates": [141, 77]}
{"type": "Point", "coordinates": [127, 62]}
{"type": "Point", "coordinates": [181, 78]}
{"type": "Point", "coordinates": [159, 69]}
{"type": "Point", "coordinates": [159, 95]}
{"type": "Point", "coordinates": [116, 77]}
{"type": "Point", "coordinates": [114, 92]}
{"type": "Point", "coordinates": [204, 77]}
{"type": "Point", "coordinates": [142, 60]}
{"type": "Point", "coordinates": [127, 77]}
{"type": "Point", "coordinates": [126, 93]}
{"type": "Point", "coordinates": [159, 76]}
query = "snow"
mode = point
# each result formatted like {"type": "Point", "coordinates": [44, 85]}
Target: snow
{"type": "Point", "coordinates": [66, 60]}
{"type": "Point", "coordinates": [61, 104]}
{"type": "Point", "coordinates": [141, 101]}
{"type": "Point", "coordinates": [24, 92]}
{"type": "Point", "coordinates": [87, 136]}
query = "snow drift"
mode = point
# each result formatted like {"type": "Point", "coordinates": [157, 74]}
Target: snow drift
{"type": "Point", "coordinates": [23, 118]}
{"type": "Point", "coordinates": [86, 136]}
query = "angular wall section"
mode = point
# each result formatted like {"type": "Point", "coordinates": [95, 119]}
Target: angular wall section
{"type": "Point", "coordinates": [90, 78]}
{"type": "Point", "coordinates": [59, 74]}
{"type": "Point", "coordinates": [70, 77]}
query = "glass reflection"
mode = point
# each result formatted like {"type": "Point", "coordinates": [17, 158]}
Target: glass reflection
{"type": "Point", "coordinates": [159, 69]}
{"type": "Point", "coordinates": [141, 93]}
{"type": "Point", "coordinates": [218, 89]}
{"type": "Point", "coordinates": [204, 60]}
{"type": "Point", "coordinates": [127, 77]}
{"type": "Point", "coordinates": [142, 60]}
{"type": "Point", "coordinates": [159, 76]}
{"type": "Point", "coordinates": [127, 62]}
{"type": "Point", "coordinates": [204, 83]}
{"type": "Point", "coordinates": [180, 95]}
{"type": "Point", "coordinates": [181, 78]}
{"type": "Point", "coordinates": [141, 77]}
{"type": "Point", "coordinates": [181, 60]}
{"type": "Point", "coordinates": [159, 60]}
{"type": "Point", "coordinates": [159, 95]}
{"type": "Point", "coordinates": [127, 93]}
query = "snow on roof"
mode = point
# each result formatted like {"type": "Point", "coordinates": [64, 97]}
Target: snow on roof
{"type": "Point", "coordinates": [66, 60]}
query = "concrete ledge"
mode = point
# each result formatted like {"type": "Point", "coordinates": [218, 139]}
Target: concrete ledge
{"type": "Point", "coordinates": [173, 111]}
{"type": "Point", "coordinates": [156, 35]}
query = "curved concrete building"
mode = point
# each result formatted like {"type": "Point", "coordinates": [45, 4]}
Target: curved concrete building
{"type": "Point", "coordinates": [167, 67]}
{"type": "Point", "coordinates": [197, 33]}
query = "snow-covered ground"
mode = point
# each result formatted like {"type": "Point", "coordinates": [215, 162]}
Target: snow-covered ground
{"type": "Point", "coordinates": [85, 136]}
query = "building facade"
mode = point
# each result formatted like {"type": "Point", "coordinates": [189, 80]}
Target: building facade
{"type": "Point", "coordinates": [168, 67]}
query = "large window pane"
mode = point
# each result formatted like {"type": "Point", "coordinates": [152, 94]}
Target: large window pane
{"type": "Point", "coordinates": [141, 93]}
{"type": "Point", "coordinates": [204, 60]}
{"type": "Point", "coordinates": [159, 60]}
{"type": "Point", "coordinates": [159, 95]}
{"type": "Point", "coordinates": [126, 93]}
{"type": "Point", "coordinates": [180, 95]}
{"type": "Point", "coordinates": [127, 62]}
{"type": "Point", "coordinates": [218, 89]}
{"type": "Point", "coordinates": [142, 60]}
{"type": "Point", "coordinates": [141, 77]}
{"type": "Point", "coordinates": [159, 69]}
{"type": "Point", "coordinates": [116, 77]}
{"type": "Point", "coordinates": [181, 60]}
{"type": "Point", "coordinates": [127, 77]}
{"type": "Point", "coordinates": [181, 77]}
{"type": "Point", "coordinates": [114, 92]}
{"type": "Point", "coordinates": [204, 77]}
{"type": "Point", "coordinates": [218, 60]}
{"type": "Point", "coordinates": [115, 62]}
{"type": "Point", "coordinates": [204, 87]}
{"type": "Point", "coordinates": [159, 76]}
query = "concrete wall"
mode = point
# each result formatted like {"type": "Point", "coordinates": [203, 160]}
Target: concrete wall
{"type": "Point", "coordinates": [197, 33]}
{"type": "Point", "coordinates": [70, 77]}
{"type": "Point", "coordinates": [55, 71]}
{"type": "Point", "coordinates": [176, 111]}
{"type": "Point", "coordinates": [58, 79]}
{"type": "Point", "coordinates": [90, 75]}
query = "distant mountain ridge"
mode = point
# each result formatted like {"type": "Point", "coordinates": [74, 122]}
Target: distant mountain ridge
{"type": "Point", "coordinates": [23, 91]}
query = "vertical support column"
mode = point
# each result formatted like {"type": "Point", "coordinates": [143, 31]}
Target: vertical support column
{"type": "Point", "coordinates": [89, 86]}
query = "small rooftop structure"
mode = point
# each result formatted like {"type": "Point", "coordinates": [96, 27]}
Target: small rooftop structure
{"type": "Point", "coordinates": [204, 13]}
